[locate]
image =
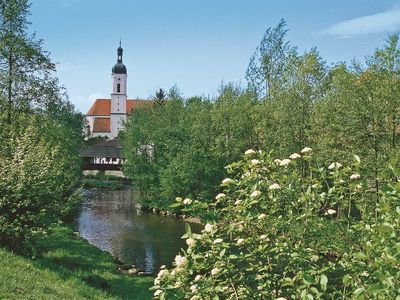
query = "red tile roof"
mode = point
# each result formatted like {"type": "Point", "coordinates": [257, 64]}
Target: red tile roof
{"type": "Point", "coordinates": [102, 107]}
{"type": "Point", "coordinates": [101, 125]}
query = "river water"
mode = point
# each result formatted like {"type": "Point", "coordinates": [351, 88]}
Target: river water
{"type": "Point", "coordinates": [110, 221]}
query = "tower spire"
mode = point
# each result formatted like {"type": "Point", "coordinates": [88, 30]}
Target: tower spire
{"type": "Point", "coordinates": [119, 53]}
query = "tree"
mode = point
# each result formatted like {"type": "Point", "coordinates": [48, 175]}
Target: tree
{"type": "Point", "coordinates": [25, 68]}
{"type": "Point", "coordinates": [268, 62]}
{"type": "Point", "coordinates": [159, 98]}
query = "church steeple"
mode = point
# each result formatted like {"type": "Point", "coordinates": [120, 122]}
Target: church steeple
{"type": "Point", "coordinates": [119, 53]}
{"type": "Point", "coordinates": [119, 67]}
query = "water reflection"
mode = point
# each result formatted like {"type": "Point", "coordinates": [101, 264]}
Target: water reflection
{"type": "Point", "coordinates": [110, 221]}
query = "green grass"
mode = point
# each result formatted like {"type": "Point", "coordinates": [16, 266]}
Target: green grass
{"type": "Point", "coordinates": [103, 184]}
{"type": "Point", "coordinates": [67, 267]}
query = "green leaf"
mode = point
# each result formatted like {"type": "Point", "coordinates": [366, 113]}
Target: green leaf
{"type": "Point", "coordinates": [188, 230]}
{"type": "Point", "coordinates": [323, 281]}
{"type": "Point", "coordinates": [177, 204]}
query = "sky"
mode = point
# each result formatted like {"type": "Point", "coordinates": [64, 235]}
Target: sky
{"type": "Point", "coordinates": [195, 45]}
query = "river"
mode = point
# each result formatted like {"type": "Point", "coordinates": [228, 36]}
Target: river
{"type": "Point", "coordinates": [110, 221]}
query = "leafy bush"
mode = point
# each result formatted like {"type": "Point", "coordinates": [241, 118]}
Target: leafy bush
{"type": "Point", "coordinates": [38, 174]}
{"type": "Point", "coordinates": [289, 229]}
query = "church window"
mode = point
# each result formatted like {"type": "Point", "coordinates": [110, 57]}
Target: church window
{"type": "Point", "coordinates": [118, 88]}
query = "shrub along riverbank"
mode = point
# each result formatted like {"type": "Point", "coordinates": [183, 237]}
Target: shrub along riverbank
{"type": "Point", "coordinates": [103, 182]}
{"type": "Point", "coordinates": [67, 267]}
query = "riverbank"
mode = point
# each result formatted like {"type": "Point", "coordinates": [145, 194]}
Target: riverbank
{"type": "Point", "coordinates": [67, 267]}
{"type": "Point", "coordinates": [103, 182]}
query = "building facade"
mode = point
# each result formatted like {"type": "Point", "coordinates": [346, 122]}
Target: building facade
{"type": "Point", "coordinates": [106, 117]}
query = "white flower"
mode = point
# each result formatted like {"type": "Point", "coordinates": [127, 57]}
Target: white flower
{"type": "Point", "coordinates": [334, 165]}
{"type": "Point", "coordinates": [163, 267]}
{"type": "Point", "coordinates": [197, 278]}
{"type": "Point", "coordinates": [191, 242]}
{"type": "Point", "coordinates": [255, 194]}
{"type": "Point", "coordinates": [240, 241]}
{"type": "Point", "coordinates": [180, 261]}
{"type": "Point", "coordinates": [263, 237]}
{"type": "Point", "coordinates": [255, 162]}
{"type": "Point", "coordinates": [306, 150]}
{"type": "Point", "coordinates": [220, 196]}
{"type": "Point", "coordinates": [157, 293]}
{"type": "Point", "coordinates": [355, 176]}
{"type": "Point", "coordinates": [330, 212]}
{"type": "Point", "coordinates": [261, 216]}
{"type": "Point", "coordinates": [214, 271]}
{"type": "Point", "coordinates": [162, 273]}
{"type": "Point", "coordinates": [285, 162]}
{"type": "Point", "coordinates": [187, 201]}
{"type": "Point", "coordinates": [250, 152]}
{"type": "Point", "coordinates": [277, 161]}
{"type": "Point", "coordinates": [227, 181]}
{"type": "Point", "coordinates": [274, 186]}
{"type": "Point", "coordinates": [237, 202]}
{"type": "Point", "coordinates": [195, 298]}
{"type": "Point", "coordinates": [218, 241]}
{"type": "Point", "coordinates": [294, 156]}
{"type": "Point", "coordinates": [208, 227]}
{"type": "Point", "coordinates": [193, 288]}
{"type": "Point", "coordinates": [281, 298]}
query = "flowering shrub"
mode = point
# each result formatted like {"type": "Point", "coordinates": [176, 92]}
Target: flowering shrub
{"type": "Point", "coordinates": [37, 175]}
{"type": "Point", "coordinates": [287, 229]}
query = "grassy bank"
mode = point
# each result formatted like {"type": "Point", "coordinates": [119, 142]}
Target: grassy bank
{"type": "Point", "coordinates": [103, 182]}
{"type": "Point", "coordinates": [67, 267]}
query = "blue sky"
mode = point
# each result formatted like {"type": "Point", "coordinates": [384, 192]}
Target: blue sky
{"type": "Point", "coordinates": [195, 44]}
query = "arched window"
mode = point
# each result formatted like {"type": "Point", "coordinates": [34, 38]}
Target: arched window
{"type": "Point", "coordinates": [118, 88]}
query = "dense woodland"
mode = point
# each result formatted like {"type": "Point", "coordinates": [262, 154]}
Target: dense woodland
{"type": "Point", "coordinates": [308, 156]}
{"type": "Point", "coordinates": [40, 134]}
{"type": "Point", "coordinates": [292, 101]}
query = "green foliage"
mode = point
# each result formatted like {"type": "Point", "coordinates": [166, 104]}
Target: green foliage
{"type": "Point", "coordinates": [180, 148]}
{"type": "Point", "coordinates": [39, 172]}
{"type": "Point", "coordinates": [277, 231]}
{"type": "Point", "coordinates": [40, 134]}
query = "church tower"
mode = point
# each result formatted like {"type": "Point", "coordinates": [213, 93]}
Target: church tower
{"type": "Point", "coordinates": [118, 96]}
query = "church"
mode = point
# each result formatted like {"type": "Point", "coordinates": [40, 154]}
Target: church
{"type": "Point", "coordinates": [106, 117]}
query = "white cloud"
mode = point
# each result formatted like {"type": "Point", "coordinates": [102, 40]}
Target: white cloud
{"type": "Point", "coordinates": [387, 21]}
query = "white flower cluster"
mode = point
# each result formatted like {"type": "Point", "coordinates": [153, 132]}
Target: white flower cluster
{"type": "Point", "coordinates": [250, 152]}
{"type": "Point", "coordinates": [180, 261]}
{"type": "Point", "coordinates": [190, 242]}
{"type": "Point", "coordinates": [274, 186]}
{"type": "Point", "coordinates": [214, 271]}
{"type": "Point", "coordinates": [220, 196]}
{"type": "Point", "coordinates": [330, 212]}
{"type": "Point", "coordinates": [227, 181]}
{"type": "Point", "coordinates": [284, 162]}
{"type": "Point", "coordinates": [294, 156]}
{"type": "Point", "coordinates": [335, 165]}
{"type": "Point", "coordinates": [306, 150]}
{"type": "Point", "coordinates": [208, 227]}
{"type": "Point", "coordinates": [255, 194]}
{"type": "Point", "coordinates": [187, 201]}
